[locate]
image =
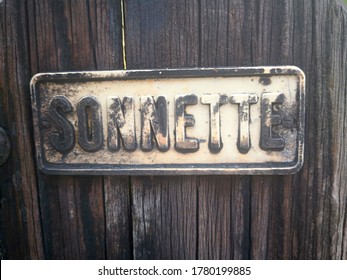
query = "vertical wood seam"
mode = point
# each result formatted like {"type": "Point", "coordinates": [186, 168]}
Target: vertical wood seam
{"type": "Point", "coordinates": [105, 215]}
{"type": "Point", "coordinates": [197, 213]}
{"type": "Point", "coordinates": [122, 7]}
{"type": "Point", "coordinates": [39, 233]}
{"type": "Point", "coordinates": [95, 60]}
{"type": "Point", "coordinates": [197, 257]}
{"type": "Point", "coordinates": [249, 253]}
{"type": "Point", "coordinates": [130, 213]}
{"type": "Point", "coordinates": [199, 38]}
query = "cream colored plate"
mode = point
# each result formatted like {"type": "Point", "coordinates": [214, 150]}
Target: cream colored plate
{"type": "Point", "coordinates": [181, 121]}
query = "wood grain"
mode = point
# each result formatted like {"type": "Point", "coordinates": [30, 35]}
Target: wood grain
{"type": "Point", "coordinates": [224, 217]}
{"type": "Point", "coordinates": [301, 216]}
{"type": "Point", "coordinates": [160, 34]}
{"type": "Point", "coordinates": [298, 216]}
{"type": "Point", "coordinates": [20, 218]}
{"type": "Point", "coordinates": [68, 36]}
{"type": "Point", "coordinates": [164, 217]}
{"type": "Point", "coordinates": [118, 238]}
{"type": "Point", "coordinates": [225, 41]}
{"type": "Point", "coordinates": [163, 34]}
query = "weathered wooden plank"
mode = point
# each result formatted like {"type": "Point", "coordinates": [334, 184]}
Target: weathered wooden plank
{"type": "Point", "coordinates": [224, 217]}
{"type": "Point", "coordinates": [268, 35]}
{"type": "Point", "coordinates": [162, 34]}
{"type": "Point", "coordinates": [118, 218]}
{"type": "Point", "coordinates": [67, 36]}
{"type": "Point", "coordinates": [74, 228]}
{"type": "Point", "coordinates": [308, 222]}
{"type": "Point", "coordinates": [164, 217]}
{"type": "Point", "coordinates": [20, 219]}
{"type": "Point", "coordinates": [224, 41]}
{"type": "Point", "coordinates": [61, 42]}
{"type": "Point", "coordinates": [262, 217]}
{"type": "Point", "coordinates": [328, 146]}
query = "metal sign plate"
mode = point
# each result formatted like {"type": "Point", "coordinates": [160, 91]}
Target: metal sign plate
{"type": "Point", "coordinates": [182, 121]}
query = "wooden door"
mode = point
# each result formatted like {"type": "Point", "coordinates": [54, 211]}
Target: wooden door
{"type": "Point", "coordinates": [301, 216]}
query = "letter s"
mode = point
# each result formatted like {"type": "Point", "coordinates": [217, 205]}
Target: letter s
{"type": "Point", "coordinates": [63, 138]}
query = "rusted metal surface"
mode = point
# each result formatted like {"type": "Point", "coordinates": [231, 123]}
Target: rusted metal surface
{"type": "Point", "coordinates": [182, 121]}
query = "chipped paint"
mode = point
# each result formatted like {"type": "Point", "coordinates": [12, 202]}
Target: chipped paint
{"type": "Point", "coordinates": [203, 121]}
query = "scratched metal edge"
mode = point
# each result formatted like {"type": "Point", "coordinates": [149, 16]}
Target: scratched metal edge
{"type": "Point", "coordinates": [211, 169]}
{"type": "Point", "coordinates": [35, 115]}
{"type": "Point", "coordinates": [168, 73]}
{"type": "Point", "coordinates": [172, 169]}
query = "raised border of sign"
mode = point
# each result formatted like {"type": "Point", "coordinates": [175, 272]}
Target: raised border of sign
{"type": "Point", "coordinates": [269, 168]}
